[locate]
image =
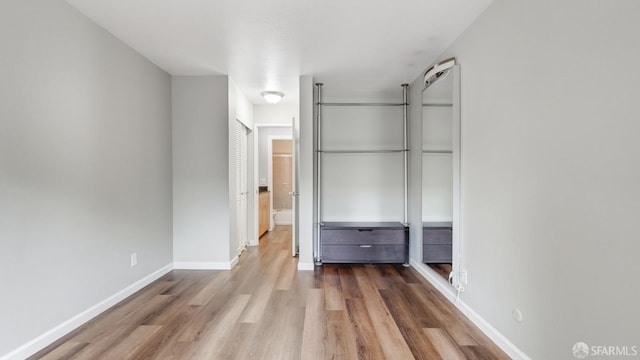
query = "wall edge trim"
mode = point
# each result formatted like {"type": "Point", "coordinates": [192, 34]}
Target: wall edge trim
{"type": "Point", "coordinates": [305, 266]}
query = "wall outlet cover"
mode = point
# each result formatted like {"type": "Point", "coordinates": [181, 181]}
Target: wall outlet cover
{"type": "Point", "coordinates": [134, 259]}
{"type": "Point", "coordinates": [463, 277]}
{"type": "Point", "coordinates": [517, 315]}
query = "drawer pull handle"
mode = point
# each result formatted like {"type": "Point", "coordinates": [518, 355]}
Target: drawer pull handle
{"type": "Point", "coordinates": [365, 246]}
{"type": "Point", "coordinates": [362, 230]}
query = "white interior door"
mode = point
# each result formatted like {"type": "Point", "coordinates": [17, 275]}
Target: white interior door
{"type": "Point", "coordinates": [295, 150]}
{"type": "Point", "coordinates": [242, 190]}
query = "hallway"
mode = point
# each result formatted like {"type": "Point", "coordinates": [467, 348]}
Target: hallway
{"type": "Point", "coordinates": [265, 309]}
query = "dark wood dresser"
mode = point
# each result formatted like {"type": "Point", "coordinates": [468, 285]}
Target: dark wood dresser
{"type": "Point", "coordinates": [436, 242]}
{"type": "Point", "coordinates": [364, 242]}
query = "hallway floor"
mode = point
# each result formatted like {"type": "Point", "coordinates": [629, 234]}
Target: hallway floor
{"type": "Point", "coordinates": [265, 309]}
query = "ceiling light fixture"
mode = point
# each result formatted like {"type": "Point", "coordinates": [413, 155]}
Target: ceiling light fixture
{"type": "Point", "coordinates": [272, 97]}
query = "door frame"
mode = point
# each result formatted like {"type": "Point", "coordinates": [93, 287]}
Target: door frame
{"type": "Point", "coordinates": [258, 128]}
{"type": "Point", "coordinates": [270, 139]}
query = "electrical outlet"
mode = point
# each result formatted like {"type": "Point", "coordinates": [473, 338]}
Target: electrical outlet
{"type": "Point", "coordinates": [517, 315]}
{"type": "Point", "coordinates": [134, 259]}
{"type": "Point", "coordinates": [463, 277]}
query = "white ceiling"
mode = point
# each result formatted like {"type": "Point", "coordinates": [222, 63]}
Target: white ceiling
{"type": "Point", "coordinates": [268, 44]}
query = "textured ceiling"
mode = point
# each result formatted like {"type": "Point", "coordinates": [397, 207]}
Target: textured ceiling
{"type": "Point", "coordinates": [268, 44]}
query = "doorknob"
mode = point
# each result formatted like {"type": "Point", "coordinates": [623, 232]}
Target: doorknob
{"type": "Point", "coordinates": [294, 193]}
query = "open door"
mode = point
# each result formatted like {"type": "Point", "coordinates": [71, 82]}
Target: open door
{"type": "Point", "coordinates": [295, 150]}
{"type": "Point", "coordinates": [242, 191]}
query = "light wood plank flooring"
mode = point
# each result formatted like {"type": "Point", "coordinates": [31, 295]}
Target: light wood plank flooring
{"type": "Point", "coordinates": [265, 309]}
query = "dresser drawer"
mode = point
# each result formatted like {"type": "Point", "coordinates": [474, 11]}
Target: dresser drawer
{"type": "Point", "coordinates": [436, 253]}
{"type": "Point", "coordinates": [363, 253]}
{"type": "Point", "coordinates": [436, 236]}
{"type": "Point", "coordinates": [363, 237]}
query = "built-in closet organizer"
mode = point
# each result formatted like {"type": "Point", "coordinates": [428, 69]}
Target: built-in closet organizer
{"type": "Point", "coordinates": [361, 176]}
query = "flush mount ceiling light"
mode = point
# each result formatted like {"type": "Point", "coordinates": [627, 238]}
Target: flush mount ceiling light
{"type": "Point", "coordinates": [272, 97]}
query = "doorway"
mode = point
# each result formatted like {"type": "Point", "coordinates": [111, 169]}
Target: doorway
{"type": "Point", "coordinates": [275, 177]}
{"type": "Point", "coordinates": [281, 180]}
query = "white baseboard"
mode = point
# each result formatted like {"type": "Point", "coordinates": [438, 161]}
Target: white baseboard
{"type": "Point", "coordinates": [180, 265]}
{"type": "Point", "coordinates": [66, 327]}
{"type": "Point", "coordinates": [497, 337]}
{"type": "Point", "coordinates": [503, 343]}
{"type": "Point", "coordinates": [234, 262]}
{"type": "Point", "coordinates": [306, 266]}
{"type": "Point", "coordinates": [436, 280]}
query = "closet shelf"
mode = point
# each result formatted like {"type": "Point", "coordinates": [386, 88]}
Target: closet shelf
{"type": "Point", "coordinates": [361, 151]}
{"type": "Point", "coordinates": [361, 104]}
{"type": "Point", "coordinates": [437, 105]}
{"type": "Point", "coordinates": [437, 151]}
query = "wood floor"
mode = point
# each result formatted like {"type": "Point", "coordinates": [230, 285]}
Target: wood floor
{"type": "Point", "coordinates": [442, 269]}
{"type": "Point", "coordinates": [265, 309]}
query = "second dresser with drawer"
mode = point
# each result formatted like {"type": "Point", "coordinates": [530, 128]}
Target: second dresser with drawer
{"type": "Point", "coordinates": [436, 242]}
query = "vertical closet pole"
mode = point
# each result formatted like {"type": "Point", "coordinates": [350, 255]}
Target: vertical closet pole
{"type": "Point", "coordinates": [317, 248]}
{"type": "Point", "coordinates": [405, 150]}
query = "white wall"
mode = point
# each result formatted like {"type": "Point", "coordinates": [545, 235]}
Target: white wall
{"type": "Point", "coordinates": [205, 110]}
{"type": "Point", "coordinates": [306, 175]}
{"type": "Point", "coordinates": [274, 114]}
{"type": "Point", "coordinates": [201, 213]}
{"type": "Point", "coordinates": [362, 187]}
{"type": "Point", "coordinates": [85, 167]}
{"type": "Point", "coordinates": [415, 170]}
{"type": "Point", "coordinates": [549, 178]}
{"type": "Point", "coordinates": [243, 108]}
